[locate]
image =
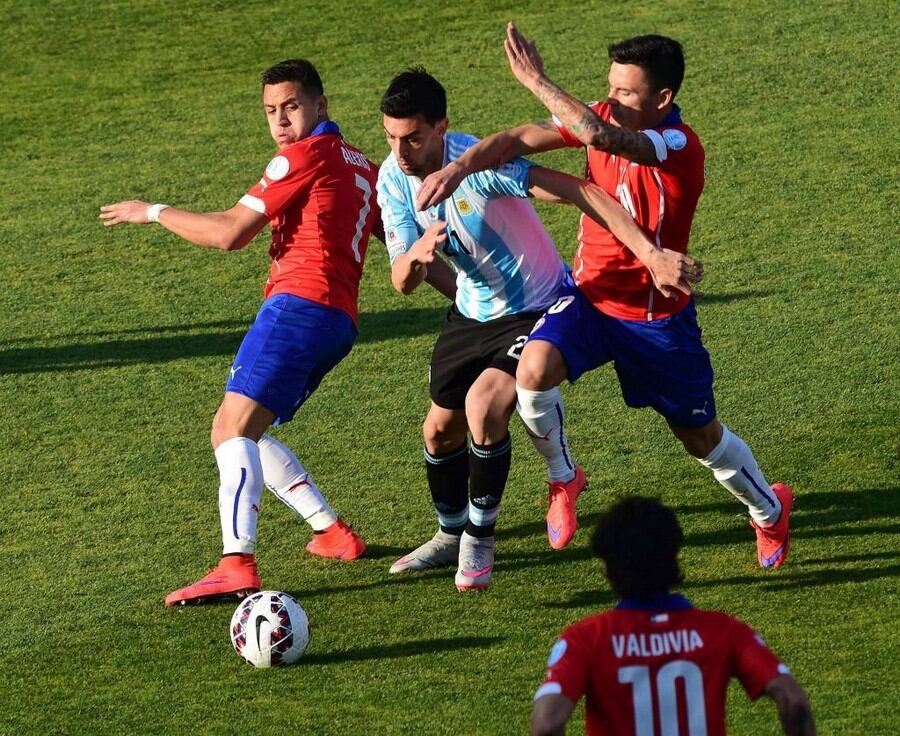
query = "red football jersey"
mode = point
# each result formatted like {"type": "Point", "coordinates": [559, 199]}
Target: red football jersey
{"type": "Point", "coordinates": [319, 194]}
{"type": "Point", "coordinates": [651, 672]}
{"type": "Point", "coordinates": [662, 199]}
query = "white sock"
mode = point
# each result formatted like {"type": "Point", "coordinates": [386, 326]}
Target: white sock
{"type": "Point", "coordinates": [287, 479]}
{"type": "Point", "coordinates": [734, 467]}
{"type": "Point", "coordinates": [240, 491]}
{"type": "Point", "coordinates": [542, 414]}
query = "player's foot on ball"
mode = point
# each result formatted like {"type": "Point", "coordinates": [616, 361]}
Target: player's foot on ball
{"type": "Point", "coordinates": [234, 577]}
{"type": "Point", "coordinates": [338, 541]}
{"type": "Point", "coordinates": [442, 550]}
{"type": "Point", "coordinates": [561, 519]}
{"type": "Point", "coordinates": [476, 562]}
{"type": "Point", "coordinates": [774, 542]}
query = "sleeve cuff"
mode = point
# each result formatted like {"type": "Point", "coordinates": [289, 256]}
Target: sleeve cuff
{"type": "Point", "coordinates": [662, 151]}
{"type": "Point", "coordinates": [548, 688]}
{"type": "Point", "coordinates": [254, 203]}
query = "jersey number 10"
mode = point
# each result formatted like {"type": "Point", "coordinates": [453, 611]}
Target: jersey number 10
{"type": "Point", "coordinates": [666, 697]}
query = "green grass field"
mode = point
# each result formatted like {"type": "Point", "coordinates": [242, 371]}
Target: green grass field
{"type": "Point", "coordinates": [114, 347]}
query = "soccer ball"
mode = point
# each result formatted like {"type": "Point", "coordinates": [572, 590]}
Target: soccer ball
{"type": "Point", "coordinates": [269, 629]}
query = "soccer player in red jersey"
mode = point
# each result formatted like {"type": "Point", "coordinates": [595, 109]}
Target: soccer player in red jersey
{"type": "Point", "coordinates": [318, 193]}
{"type": "Point", "coordinates": [655, 664]}
{"type": "Point", "coordinates": [625, 310]}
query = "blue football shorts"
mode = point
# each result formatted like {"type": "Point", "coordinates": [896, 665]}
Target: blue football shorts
{"type": "Point", "coordinates": [661, 364]}
{"type": "Point", "coordinates": [287, 351]}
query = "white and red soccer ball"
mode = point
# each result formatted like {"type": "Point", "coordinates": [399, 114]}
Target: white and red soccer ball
{"type": "Point", "coordinates": [269, 629]}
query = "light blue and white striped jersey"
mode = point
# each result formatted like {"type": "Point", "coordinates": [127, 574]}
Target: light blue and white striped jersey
{"type": "Point", "coordinates": [506, 262]}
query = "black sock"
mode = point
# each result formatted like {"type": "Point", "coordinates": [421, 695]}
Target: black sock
{"type": "Point", "coordinates": [448, 479]}
{"type": "Point", "coordinates": [488, 471]}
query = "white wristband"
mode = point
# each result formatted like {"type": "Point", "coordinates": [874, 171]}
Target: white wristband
{"type": "Point", "coordinates": [153, 211]}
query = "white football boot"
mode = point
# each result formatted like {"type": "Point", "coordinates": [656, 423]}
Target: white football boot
{"type": "Point", "coordinates": [476, 562]}
{"type": "Point", "coordinates": [442, 550]}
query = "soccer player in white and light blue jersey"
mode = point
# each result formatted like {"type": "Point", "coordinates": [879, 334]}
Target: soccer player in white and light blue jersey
{"type": "Point", "coordinates": [507, 274]}
{"type": "Point", "coordinates": [506, 262]}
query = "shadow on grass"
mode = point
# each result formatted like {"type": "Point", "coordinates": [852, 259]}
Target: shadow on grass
{"type": "Point", "coordinates": [818, 514]}
{"type": "Point", "coordinates": [383, 551]}
{"type": "Point", "coordinates": [89, 350]}
{"type": "Point", "coordinates": [794, 576]}
{"type": "Point", "coordinates": [733, 535]}
{"type": "Point", "coordinates": [403, 649]}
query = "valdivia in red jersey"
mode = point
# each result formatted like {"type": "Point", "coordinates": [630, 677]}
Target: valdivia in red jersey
{"type": "Point", "coordinates": [657, 667]}
{"type": "Point", "coordinates": [319, 194]}
{"type": "Point", "coordinates": [662, 199]}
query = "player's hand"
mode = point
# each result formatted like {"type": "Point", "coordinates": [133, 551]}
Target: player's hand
{"type": "Point", "coordinates": [524, 60]}
{"type": "Point", "coordinates": [672, 272]}
{"type": "Point", "coordinates": [133, 211]}
{"type": "Point", "coordinates": [423, 250]}
{"type": "Point", "coordinates": [436, 187]}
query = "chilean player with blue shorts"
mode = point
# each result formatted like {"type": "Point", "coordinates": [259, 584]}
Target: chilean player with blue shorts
{"type": "Point", "coordinates": [318, 193]}
{"type": "Point", "coordinates": [622, 309]}
{"type": "Point", "coordinates": [508, 273]}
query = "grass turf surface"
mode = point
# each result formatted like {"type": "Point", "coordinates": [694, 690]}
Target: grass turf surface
{"type": "Point", "coordinates": [114, 347]}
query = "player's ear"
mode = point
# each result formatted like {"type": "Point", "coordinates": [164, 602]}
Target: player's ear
{"type": "Point", "coordinates": [441, 126]}
{"type": "Point", "coordinates": [322, 106]}
{"type": "Point", "coordinates": [664, 97]}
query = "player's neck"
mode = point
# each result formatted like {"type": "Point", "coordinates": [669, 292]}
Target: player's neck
{"type": "Point", "coordinates": [657, 119]}
{"type": "Point", "coordinates": [434, 163]}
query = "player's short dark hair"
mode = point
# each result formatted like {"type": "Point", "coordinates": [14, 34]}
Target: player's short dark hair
{"type": "Point", "coordinates": [295, 70]}
{"type": "Point", "coordinates": [661, 58]}
{"type": "Point", "coordinates": [639, 539]}
{"type": "Point", "coordinates": [415, 92]}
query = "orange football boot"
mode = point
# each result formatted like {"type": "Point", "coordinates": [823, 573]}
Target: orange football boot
{"type": "Point", "coordinates": [774, 542]}
{"type": "Point", "coordinates": [338, 541]}
{"type": "Point", "coordinates": [234, 577]}
{"type": "Point", "coordinates": [561, 519]}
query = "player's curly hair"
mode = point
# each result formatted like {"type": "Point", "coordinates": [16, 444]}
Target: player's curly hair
{"type": "Point", "coordinates": [415, 92]}
{"type": "Point", "coordinates": [639, 539]}
{"type": "Point", "coordinates": [295, 70]}
{"type": "Point", "coordinates": [661, 58]}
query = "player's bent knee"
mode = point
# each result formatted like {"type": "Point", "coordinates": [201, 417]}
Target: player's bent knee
{"type": "Point", "coordinates": [541, 367]}
{"type": "Point", "coordinates": [239, 418]}
{"type": "Point", "coordinates": [488, 415]}
{"type": "Point", "coordinates": [441, 435]}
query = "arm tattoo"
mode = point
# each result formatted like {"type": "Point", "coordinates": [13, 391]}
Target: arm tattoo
{"type": "Point", "coordinates": [545, 124]}
{"type": "Point", "coordinates": [587, 126]}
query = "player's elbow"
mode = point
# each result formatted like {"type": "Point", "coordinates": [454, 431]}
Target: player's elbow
{"type": "Point", "coordinates": [595, 136]}
{"type": "Point", "coordinates": [793, 706]}
{"type": "Point", "coordinates": [405, 280]}
{"type": "Point", "coordinates": [796, 716]}
{"type": "Point", "coordinates": [402, 285]}
{"type": "Point", "coordinates": [406, 288]}
{"type": "Point", "coordinates": [232, 240]}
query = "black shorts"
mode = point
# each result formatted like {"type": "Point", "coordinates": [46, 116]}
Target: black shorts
{"type": "Point", "coordinates": [466, 347]}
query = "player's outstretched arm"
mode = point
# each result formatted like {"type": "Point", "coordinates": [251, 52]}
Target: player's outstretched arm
{"type": "Point", "coordinates": [228, 230]}
{"type": "Point", "coordinates": [410, 269]}
{"type": "Point", "coordinates": [528, 68]}
{"type": "Point", "coordinates": [671, 271]}
{"type": "Point", "coordinates": [550, 714]}
{"type": "Point", "coordinates": [794, 711]}
{"type": "Point", "coordinates": [493, 151]}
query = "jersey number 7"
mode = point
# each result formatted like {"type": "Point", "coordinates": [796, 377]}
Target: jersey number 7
{"type": "Point", "coordinates": [363, 184]}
